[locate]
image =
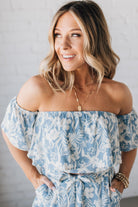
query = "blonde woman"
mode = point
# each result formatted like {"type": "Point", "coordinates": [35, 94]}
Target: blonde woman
{"type": "Point", "coordinates": [72, 124]}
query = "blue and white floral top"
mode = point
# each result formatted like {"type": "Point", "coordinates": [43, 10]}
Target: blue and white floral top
{"type": "Point", "coordinates": [71, 141]}
{"type": "Point", "coordinates": [61, 143]}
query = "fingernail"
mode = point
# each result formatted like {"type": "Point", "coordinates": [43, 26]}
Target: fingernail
{"type": "Point", "coordinates": [53, 188]}
{"type": "Point", "coordinates": [112, 189]}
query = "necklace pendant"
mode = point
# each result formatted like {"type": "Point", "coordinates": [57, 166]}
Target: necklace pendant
{"type": "Point", "coordinates": [79, 108]}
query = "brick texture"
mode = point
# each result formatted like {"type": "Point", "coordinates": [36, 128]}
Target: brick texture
{"type": "Point", "coordinates": [23, 44]}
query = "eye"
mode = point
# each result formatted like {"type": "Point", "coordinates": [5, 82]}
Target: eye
{"type": "Point", "coordinates": [57, 35]}
{"type": "Point", "coordinates": [76, 35]}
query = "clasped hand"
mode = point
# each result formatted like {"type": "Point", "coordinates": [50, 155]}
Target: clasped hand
{"type": "Point", "coordinates": [116, 184]}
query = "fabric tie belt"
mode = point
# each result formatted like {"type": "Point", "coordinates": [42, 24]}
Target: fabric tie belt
{"type": "Point", "coordinates": [70, 179]}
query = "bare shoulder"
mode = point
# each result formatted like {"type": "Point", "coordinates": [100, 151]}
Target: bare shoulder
{"type": "Point", "coordinates": [31, 93]}
{"type": "Point", "coordinates": [120, 93]}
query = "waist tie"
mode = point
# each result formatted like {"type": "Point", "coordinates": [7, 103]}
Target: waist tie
{"type": "Point", "coordinates": [69, 179]}
{"type": "Point", "coordinates": [84, 189]}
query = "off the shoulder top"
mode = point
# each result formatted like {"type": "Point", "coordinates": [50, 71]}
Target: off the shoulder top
{"type": "Point", "coordinates": [71, 141]}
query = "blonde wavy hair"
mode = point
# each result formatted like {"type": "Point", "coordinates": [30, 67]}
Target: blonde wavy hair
{"type": "Point", "coordinates": [98, 53]}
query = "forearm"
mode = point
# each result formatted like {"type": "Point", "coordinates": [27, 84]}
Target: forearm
{"type": "Point", "coordinates": [128, 159]}
{"type": "Point", "coordinates": [24, 162]}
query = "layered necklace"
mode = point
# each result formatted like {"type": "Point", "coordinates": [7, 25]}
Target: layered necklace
{"type": "Point", "coordinates": [77, 99]}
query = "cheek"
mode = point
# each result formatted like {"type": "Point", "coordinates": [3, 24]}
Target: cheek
{"type": "Point", "coordinates": [56, 46]}
{"type": "Point", "coordinates": [81, 52]}
{"type": "Point", "coordinates": [78, 47]}
{"type": "Point", "coordinates": [56, 51]}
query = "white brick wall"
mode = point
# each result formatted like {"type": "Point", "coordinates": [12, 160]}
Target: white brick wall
{"type": "Point", "coordinates": [23, 44]}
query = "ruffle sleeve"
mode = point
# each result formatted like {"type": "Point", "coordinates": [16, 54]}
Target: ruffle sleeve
{"type": "Point", "coordinates": [18, 125]}
{"type": "Point", "coordinates": [128, 131]}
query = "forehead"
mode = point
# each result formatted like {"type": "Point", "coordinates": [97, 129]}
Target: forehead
{"type": "Point", "coordinates": [67, 21]}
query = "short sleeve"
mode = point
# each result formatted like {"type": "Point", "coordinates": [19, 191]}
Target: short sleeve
{"type": "Point", "coordinates": [128, 131]}
{"type": "Point", "coordinates": [18, 125]}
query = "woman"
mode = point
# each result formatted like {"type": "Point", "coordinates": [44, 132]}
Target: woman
{"type": "Point", "coordinates": [72, 124]}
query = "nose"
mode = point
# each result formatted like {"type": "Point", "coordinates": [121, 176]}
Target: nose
{"type": "Point", "coordinates": [65, 43]}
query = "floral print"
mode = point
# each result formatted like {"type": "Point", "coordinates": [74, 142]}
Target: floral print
{"type": "Point", "coordinates": [62, 143]}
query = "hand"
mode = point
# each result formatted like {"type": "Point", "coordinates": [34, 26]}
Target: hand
{"type": "Point", "coordinates": [43, 180]}
{"type": "Point", "coordinates": [116, 184]}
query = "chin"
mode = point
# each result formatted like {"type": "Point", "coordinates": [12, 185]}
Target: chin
{"type": "Point", "coordinates": [69, 69]}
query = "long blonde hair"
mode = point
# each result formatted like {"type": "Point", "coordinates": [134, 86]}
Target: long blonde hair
{"type": "Point", "coordinates": [98, 53]}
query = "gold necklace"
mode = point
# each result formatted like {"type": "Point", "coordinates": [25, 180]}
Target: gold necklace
{"type": "Point", "coordinates": [77, 99]}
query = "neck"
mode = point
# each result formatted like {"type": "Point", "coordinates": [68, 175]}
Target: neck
{"type": "Point", "coordinates": [83, 79]}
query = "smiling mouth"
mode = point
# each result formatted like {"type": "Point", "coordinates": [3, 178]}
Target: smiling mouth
{"type": "Point", "coordinates": [68, 56]}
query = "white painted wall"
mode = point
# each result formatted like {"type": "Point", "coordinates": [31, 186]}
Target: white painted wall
{"type": "Point", "coordinates": [23, 44]}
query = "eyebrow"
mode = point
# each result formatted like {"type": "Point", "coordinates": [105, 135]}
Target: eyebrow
{"type": "Point", "coordinates": [70, 30]}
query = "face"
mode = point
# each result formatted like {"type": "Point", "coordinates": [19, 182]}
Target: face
{"type": "Point", "coordinates": [69, 43]}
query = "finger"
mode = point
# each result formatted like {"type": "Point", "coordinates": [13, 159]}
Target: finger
{"type": "Point", "coordinates": [118, 185]}
{"type": "Point", "coordinates": [114, 185]}
{"type": "Point", "coordinates": [112, 189]}
{"type": "Point", "coordinates": [48, 183]}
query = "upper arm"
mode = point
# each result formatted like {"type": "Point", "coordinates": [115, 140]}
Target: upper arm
{"type": "Point", "coordinates": [29, 96]}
